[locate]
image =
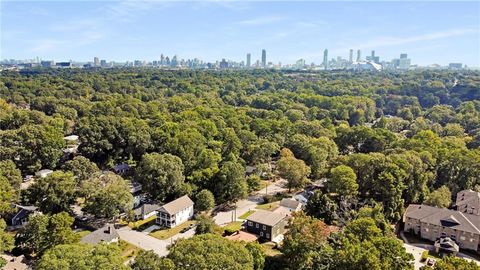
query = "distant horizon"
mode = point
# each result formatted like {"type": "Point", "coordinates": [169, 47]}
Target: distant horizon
{"type": "Point", "coordinates": [120, 31]}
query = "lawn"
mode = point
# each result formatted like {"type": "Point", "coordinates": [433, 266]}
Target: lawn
{"type": "Point", "coordinates": [128, 250]}
{"type": "Point", "coordinates": [268, 206]}
{"type": "Point", "coordinates": [233, 226]}
{"type": "Point", "coordinates": [163, 234]}
{"type": "Point", "coordinates": [247, 214]}
{"type": "Point", "coordinates": [270, 249]}
{"type": "Point", "coordinates": [83, 233]}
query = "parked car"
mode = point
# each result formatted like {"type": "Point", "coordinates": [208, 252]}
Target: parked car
{"type": "Point", "coordinates": [186, 229]}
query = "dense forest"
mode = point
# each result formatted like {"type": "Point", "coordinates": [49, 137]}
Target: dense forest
{"type": "Point", "coordinates": [381, 139]}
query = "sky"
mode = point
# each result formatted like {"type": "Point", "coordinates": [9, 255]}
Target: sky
{"type": "Point", "coordinates": [429, 32]}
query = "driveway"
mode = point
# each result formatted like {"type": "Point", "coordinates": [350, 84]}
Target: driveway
{"type": "Point", "coordinates": [147, 242]}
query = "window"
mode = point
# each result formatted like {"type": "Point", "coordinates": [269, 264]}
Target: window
{"type": "Point", "coordinates": [264, 227]}
{"type": "Point", "coordinates": [250, 223]}
{"type": "Point", "coordinates": [268, 235]}
{"type": "Point", "coordinates": [256, 225]}
{"type": "Point", "coordinates": [261, 234]}
{"type": "Point", "coordinates": [462, 238]}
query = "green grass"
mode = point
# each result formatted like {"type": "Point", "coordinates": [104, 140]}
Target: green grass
{"type": "Point", "coordinates": [164, 234]}
{"type": "Point", "coordinates": [247, 214]}
{"type": "Point", "coordinates": [83, 233]}
{"type": "Point", "coordinates": [127, 250]}
{"type": "Point", "coordinates": [270, 249]}
{"type": "Point", "coordinates": [233, 227]}
{"type": "Point", "coordinates": [268, 206]}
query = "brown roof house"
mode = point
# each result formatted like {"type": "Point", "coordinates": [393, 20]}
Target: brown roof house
{"type": "Point", "coordinates": [468, 201]}
{"type": "Point", "coordinates": [268, 225]}
{"type": "Point", "coordinates": [175, 212]}
{"type": "Point", "coordinates": [107, 234]}
{"type": "Point", "coordinates": [433, 223]}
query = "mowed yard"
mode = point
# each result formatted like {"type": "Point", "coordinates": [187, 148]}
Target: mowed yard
{"type": "Point", "coordinates": [164, 234]}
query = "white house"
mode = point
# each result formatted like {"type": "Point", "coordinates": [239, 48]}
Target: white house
{"type": "Point", "coordinates": [145, 211]}
{"type": "Point", "coordinates": [175, 212]}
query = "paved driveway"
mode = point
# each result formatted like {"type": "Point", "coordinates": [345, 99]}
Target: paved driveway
{"type": "Point", "coordinates": [147, 242]}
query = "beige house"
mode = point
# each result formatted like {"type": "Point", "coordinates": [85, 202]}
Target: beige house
{"type": "Point", "coordinates": [433, 223]}
{"type": "Point", "coordinates": [468, 201]}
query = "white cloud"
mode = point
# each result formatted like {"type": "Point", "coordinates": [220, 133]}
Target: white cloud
{"type": "Point", "coordinates": [261, 20]}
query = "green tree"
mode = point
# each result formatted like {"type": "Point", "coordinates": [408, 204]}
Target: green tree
{"type": "Point", "coordinates": [205, 201]}
{"type": "Point", "coordinates": [45, 231]}
{"type": "Point", "coordinates": [441, 197]}
{"type": "Point", "coordinates": [343, 181]}
{"type": "Point", "coordinates": [54, 193]}
{"type": "Point", "coordinates": [455, 263]}
{"type": "Point", "coordinates": [253, 183]}
{"type": "Point", "coordinates": [9, 170]}
{"type": "Point", "coordinates": [230, 183]}
{"type": "Point", "coordinates": [305, 244]}
{"type": "Point", "coordinates": [258, 253]}
{"type": "Point", "coordinates": [161, 175]}
{"type": "Point", "coordinates": [205, 224]}
{"type": "Point", "coordinates": [81, 167]}
{"type": "Point", "coordinates": [7, 195]}
{"type": "Point", "coordinates": [149, 260]}
{"type": "Point", "coordinates": [106, 195]}
{"type": "Point", "coordinates": [82, 257]}
{"type": "Point", "coordinates": [6, 239]}
{"type": "Point", "coordinates": [295, 171]}
{"type": "Point", "coordinates": [209, 251]}
{"type": "Point", "coordinates": [322, 207]}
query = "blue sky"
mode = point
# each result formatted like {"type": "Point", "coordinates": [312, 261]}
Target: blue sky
{"type": "Point", "coordinates": [430, 32]}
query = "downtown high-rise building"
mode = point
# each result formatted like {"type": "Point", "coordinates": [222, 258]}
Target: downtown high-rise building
{"type": "Point", "coordinates": [249, 60]}
{"type": "Point", "coordinates": [359, 56]}
{"type": "Point", "coordinates": [350, 58]}
{"type": "Point", "coordinates": [264, 58]}
{"type": "Point", "coordinates": [96, 61]}
{"type": "Point", "coordinates": [325, 58]}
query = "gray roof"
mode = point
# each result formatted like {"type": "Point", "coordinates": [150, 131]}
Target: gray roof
{"type": "Point", "coordinates": [289, 203]}
{"type": "Point", "coordinates": [250, 169]}
{"type": "Point", "coordinates": [444, 217]}
{"type": "Point", "coordinates": [177, 205]}
{"type": "Point", "coordinates": [266, 217]}
{"type": "Point", "coordinates": [469, 197]}
{"type": "Point", "coordinates": [146, 209]}
{"type": "Point", "coordinates": [106, 234]}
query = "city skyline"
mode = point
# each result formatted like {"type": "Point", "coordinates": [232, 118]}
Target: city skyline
{"type": "Point", "coordinates": [288, 32]}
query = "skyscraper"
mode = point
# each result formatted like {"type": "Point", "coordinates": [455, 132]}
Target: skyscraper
{"type": "Point", "coordinates": [325, 58]}
{"type": "Point", "coordinates": [350, 59]}
{"type": "Point", "coordinates": [373, 54]}
{"type": "Point", "coordinates": [249, 58]}
{"type": "Point", "coordinates": [264, 58]}
{"type": "Point", "coordinates": [96, 61]}
{"type": "Point", "coordinates": [359, 56]}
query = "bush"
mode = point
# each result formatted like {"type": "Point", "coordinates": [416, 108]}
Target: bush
{"type": "Point", "coordinates": [424, 256]}
{"type": "Point", "coordinates": [268, 199]}
{"type": "Point", "coordinates": [253, 183]}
